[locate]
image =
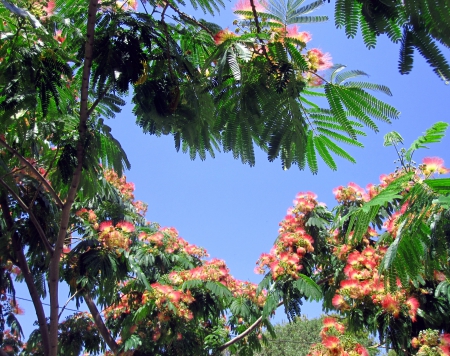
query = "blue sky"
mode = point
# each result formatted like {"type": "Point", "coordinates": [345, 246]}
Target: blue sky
{"type": "Point", "coordinates": [233, 210]}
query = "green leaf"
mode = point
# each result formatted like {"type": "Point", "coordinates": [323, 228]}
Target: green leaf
{"type": "Point", "coordinates": [439, 185]}
{"type": "Point", "coordinates": [432, 135]}
{"type": "Point", "coordinates": [392, 138]}
{"type": "Point", "coordinates": [269, 306]}
{"type": "Point", "coordinates": [133, 342]}
{"type": "Point", "coordinates": [308, 287]}
{"type": "Point", "coordinates": [391, 253]}
{"type": "Point", "coordinates": [311, 154]}
{"type": "Point", "coordinates": [323, 152]}
{"type": "Point", "coordinates": [337, 109]}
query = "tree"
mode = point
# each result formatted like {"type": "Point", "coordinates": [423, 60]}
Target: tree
{"type": "Point", "coordinates": [380, 258]}
{"type": "Point", "coordinates": [296, 339]}
{"type": "Point", "coordinates": [65, 68]}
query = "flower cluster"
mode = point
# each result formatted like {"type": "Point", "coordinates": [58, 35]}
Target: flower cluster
{"type": "Point", "coordinates": [352, 192]}
{"type": "Point", "coordinates": [293, 242]}
{"type": "Point", "coordinates": [169, 302]}
{"type": "Point", "coordinates": [11, 342]}
{"type": "Point", "coordinates": [277, 31]}
{"type": "Point", "coordinates": [391, 224]}
{"type": "Point", "coordinates": [128, 302]}
{"type": "Point", "coordinates": [335, 343]}
{"type": "Point", "coordinates": [168, 240]}
{"type": "Point", "coordinates": [318, 60]}
{"type": "Point", "coordinates": [124, 187]}
{"type": "Point", "coordinates": [431, 343]}
{"type": "Point", "coordinates": [245, 5]}
{"type": "Point", "coordinates": [43, 9]}
{"type": "Point", "coordinates": [363, 285]}
{"type": "Point", "coordinates": [115, 237]}
{"type": "Point", "coordinates": [431, 165]}
{"type": "Point", "coordinates": [90, 216]}
{"type": "Point", "coordinates": [217, 271]}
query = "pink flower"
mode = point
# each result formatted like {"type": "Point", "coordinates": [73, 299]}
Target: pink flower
{"type": "Point", "coordinates": [245, 5]}
{"type": "Point", "coordinates": [338, 301]}
{"type": "Point", "coordinates": [332, 343]}
{"type": "Point", "coordinates": [127, 5]}
{"type": "Point", "coordinates": [125, 226]}
{"type": "Point", "coordinates": [361, 350]}
{"type": "Point", "coordinates": [412, 304]}
{"type": "Point", "coordinates": [433, 165]}
{"type": "Point", "coordinates": [58, 36]}
{"type": "Point", "coordinates": [318, 60]}
{"type": "Point", "coordinates": [390, 305]}
{"type": "Point", "coordinates": [106, 225]}
{"type": "Point", "coordinates": [292, 32]}
{"type": "Point", "coordinates": [49, 9]}
{"type": "Point", "coordinates": [223, 35]}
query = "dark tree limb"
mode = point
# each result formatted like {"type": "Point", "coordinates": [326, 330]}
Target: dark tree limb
{"type": "Point", "coordinates": [21, 262]}
{"type": "Point", "coordinates": [100, 324]}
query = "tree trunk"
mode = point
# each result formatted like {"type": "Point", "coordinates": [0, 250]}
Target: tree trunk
{"type": "Point", "coordinates": [82, 130]}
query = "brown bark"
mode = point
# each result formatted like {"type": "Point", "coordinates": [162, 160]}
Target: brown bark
{"type": "Point", "coordinates": [100, 324]}
{"type": "Point", "coordinates": [23, 265]}
{"type": "Point", "coordinates": [65, 215]}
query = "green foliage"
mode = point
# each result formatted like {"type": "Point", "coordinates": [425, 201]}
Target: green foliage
{"type": "Point", "coordinates": [432, 135]}
{"type": "Point", "coordinates": [296, 338]}
{"type": "Point", "coordinates": [421, 25]}
{"type": "Point", "coordinates": [293, 12]}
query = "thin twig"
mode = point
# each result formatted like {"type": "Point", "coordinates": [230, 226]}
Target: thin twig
{"type": "Point", "coordinates": [318, 76]}
{"type": "Point", "coordinates": [68, 301]}
{"type": "Point", "coordinates": [186, 16]}
{"type": "Point", "coordinates": [99, 98]}
{"type": "Point", "coordinates": [258, 30]}
{"type": "Point", "coordinates": [307, 118]}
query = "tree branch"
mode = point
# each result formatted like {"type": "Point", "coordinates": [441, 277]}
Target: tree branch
{"type": "Point", "coordinates": [33, 219]}
{"type": "Point", "coordinates": [65, 215]}
{"type": "Point", "coordinates": [23, 265]}
{"type": "Point", "coordinates": [68, 301]}
{"type": "Point", "coordinates": [189, 18]}
{"type": "Point", "coordinates": [259, 320]}
{"type": "Point", "coordinates": [100, 324]}
{"type": "Point", "coordinates": [245, 333]}
{"type": "Point", "coordinates": [36, 173]}
{"type": "Point", "coordinates": [99, 98]}
{"type": "Point", "coordinates": [258, 30]}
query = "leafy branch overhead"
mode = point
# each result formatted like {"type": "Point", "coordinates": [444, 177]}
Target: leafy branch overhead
{"type": "Point", "coordinates": [421, 25]}
{"type": "Point", "coordinates": [256, 87]}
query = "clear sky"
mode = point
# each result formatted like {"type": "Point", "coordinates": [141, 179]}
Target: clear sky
{"type": "Point", "coordinates": [233, 210]}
